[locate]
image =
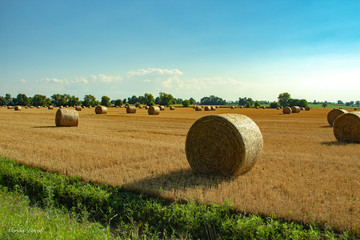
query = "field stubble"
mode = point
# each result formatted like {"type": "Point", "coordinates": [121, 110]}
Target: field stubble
{"type": "Point", "coordinates": [304, 174]}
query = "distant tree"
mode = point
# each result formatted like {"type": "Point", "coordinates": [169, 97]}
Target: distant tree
{"type": "Point", "coordinates": [324, 105]}
{"type": "Point", "coordinates": [186, 103]}
{"type": "Point", "coordinates": [133, 99]}
{"type": "Point", "coordinates": [21, 99]}
{"type": "Point", "coordinates": [105, 101]}
{"type": "Point", "coordinates": [8, 97]}
{"type": "Point", "coordinates": [357, 103]}
{"type": "Point", "coordinates": [257, 104]}
{"type": "Point", "coordinates": [73, 101]}
{"type": "Point", "coordinates": [157, 100]}
{"type": "Point", "coordinates": [248, 104]}
{"type": "Point", "coordinates": [298, 102]}
{"type": "Point", "coordinates": [118, 102]}
{"type": "Point", "coordinates": [192, 101]}
{"type": "Point", "coordinates": [340, 102]}
{"type": "Point", "coordinates": [284, 99]}
{"type": "Point", "coordinates": [40, 100]}
{"type": "Point", "coordinates": [152, 103]}
{"type": "Point", "coordinates": [137, 104]}
{"type": "Point", "coordinates": [127, 104]}
{"type": "Point", "coordinates": [212, 100]}
{"type": "Point", "coordinates": [90, 100]}
{"type": "Point", "coordinates": [58, 100]}
{"type": "Point", "coordinates": [165, 99]}
{"type": "Point", "coordinates": [148, 99]}
{"type": "Point", "coordinates": [3, 101]}
{"type": "Point", "coordinates": [178, 101]}
{"type": "Point", "coordinates": [274, 105]}
{"type": "Point", "coordinates": [243, 101]}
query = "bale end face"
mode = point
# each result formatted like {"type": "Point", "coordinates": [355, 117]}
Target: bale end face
{"type": "Point", "coordinates": [347, 127]}
{"type": "Point", "coordinates": [227, 144]}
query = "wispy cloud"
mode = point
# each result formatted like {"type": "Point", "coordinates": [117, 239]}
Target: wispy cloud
{"type": "Point", "coordinates": [106, 78]}
{"type": "Point", "coordinates": [55, 80]}
{"type": "Point", "coordinates": [154, 71]}
{"type": "Point", "coordinates": [23, 80]}
{"type": "Point", "coordinates": [81, 80]}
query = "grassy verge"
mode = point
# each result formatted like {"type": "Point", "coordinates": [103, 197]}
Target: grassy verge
{"type": "Point", "coordinates": [132, 215]}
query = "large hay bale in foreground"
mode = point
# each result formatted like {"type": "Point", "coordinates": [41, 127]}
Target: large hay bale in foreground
{"type": "Point", "coordinates": [347, 127]}
{"type": "Point", "coordinates": [101, 110]}
{"type": "Point", "coordinates": [131, 109]}
{"type": "Point", "coordinates": [66, 118]}
{"type": "Point", "coordinates": [226, 144]}
{"type": "Point", "coordinates": [154, 110]}
{"type": "Point", "coordinates": [17, 108]}
{"type": "Point", "coordinates": [333, 114]}
{"type": "Point", "coordinates": [78, 108]}
{"type": "Point", "coordinates": [295, 109]}
{"type": "Point", "coordinates": [286, 110]}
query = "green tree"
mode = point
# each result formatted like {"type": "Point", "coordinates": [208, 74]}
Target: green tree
{"type": "Point", "coordinates": [248, 104]}
{"type": "Point", "coordinates": [212, 100]}
{"type": "Point", "coordinates": [118, 102]}
{"type": "Point", "coordinates": [22, 100]}
{"type": "Point", "coordinates": [40, 100]}
{"type": "Point", "coordinates": [105, 101]}
{"type": "Point", "coordinates": [257, 104]}
{"type": "Point", "coordinates": [192, 101]}
{"type": "Point", "coordinates": [90, 100]}
{"type": "Point", "coordinates": [324, 105]}
{"type": "Point", "coordinates": [284, 99]}
{"type": "Point", "coordinates": [274, 105]}
{"type": "Point", "coordinates": [186, 103]}
{"type": "Point", "coordinates": [58, 100]}
{"type": "Point", "coordinates": [73, 101]}
{"type": "Point", "coordinates": [137, 104]}
{"type": "Point", "coordinates": [9, 99]}
{"type": "Point", "coordinates": [3, 101]}
{"type": "Point", "coordinates": [165, 99]}
{"type": "Point", "coordinates": [148, 99]}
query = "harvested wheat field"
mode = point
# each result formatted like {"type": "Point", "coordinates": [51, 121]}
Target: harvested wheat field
{"type": "Point", "coordinates": [303, 174]}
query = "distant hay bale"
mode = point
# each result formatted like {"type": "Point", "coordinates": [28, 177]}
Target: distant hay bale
{"type": "Point", "coordinates": [66, 118]}
{"type": "Point", "coordinates": [295, 109]}
{"type": "Point", "coordinates": [233, 107]}
{"type": "Point", "coordinates": [347, 127]}
{"type": "Point", "coordinates": [286, 110]}
{"type": "Point", "coordinates": [213, 108]}
{"type": "Point", "coordinates": [278, 108]}
{"type": "Point", "coordinates": [302, 108]}
{"type": "Point", "coordinates": [194, 107]}
{"type": "Point", "coordinates": [217, 106]}
{"type": "Point", "coordinates": [307, 108]}
{"type": "Point", "coordinates": [17, 108]}
{"type": "Point", "coordinates": [82, 106]}
{"type": "Point", "coordinates": [78, 108]}
{"type": "Point", "coordinates": [226, 144]}
{"type": "Point", "coordinates": [101, 110]}
{"type": "Point", "coordinates": [61, 107]}
{"type": "Point", "coordinates": [10, 107]}
{"type": "Point", "coordinates": [50, 107]}
{"type": "Point", "coordinates": [207, 108]}
{"type": "Point", "coordinates": [172, 108]}
{"type": "Point", "coordinates": [140, 107]}
{"type": "Point", "coordinates": [146, 107]}
{"type": "Point", "coordinates": [241, 106]}
{"type": "Point", "coordinates": [162, 108]}
{"type": "Point", "coordinates": [131, 109]}
{"type": "Point", "coordinates": [263, 107]}
{"type": "Point", "coordinates": [154, 110]}
{"type": "Point", "coordinates": [198, 108]}
{"type": "Point", "coordinates": [257, 107]}
{"type": "Point", "coordinates": [31, 106]}
{"type": "Point", "coordinates": [333, 114]}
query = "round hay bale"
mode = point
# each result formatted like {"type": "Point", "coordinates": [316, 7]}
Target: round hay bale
{"type": "Point", "coordinates": [217, 106]}
{"type": "Point", "coordinates": [162, 108]}
{"type": "Point", "coordinates": [241, 106]}
{"type": "Point", "coordinates": [10, 107]}
{"type": "Point", "coordinates": [146, 107]}
{"type": "Point", "coordinates": [154, 110]}
{"type": "Point", "coordinates": [213, 108]}
{"type": "Point", "coordinates": [278, 108]}
{"type": "Point", "coordinates": [295, 109]}
{"type": "Point", "coordinates": [263, 107]}
{"type": "Point", "coordinates": [66, 118]}
{"type": "Point", "coordinates": [31, 106]}
{"type": "Point", "coordinates": [17, 108]}
{"type": "Point", "coordinates": [207, 108]}
{"type": "Point", "coordinates": [101, 110]}
{"type": "Point", "coordinates": [286, 110]}
{"type": "Point", "coordinates": [78, 108]}
{"type": "Point", "coordinates": [232, 107]}
{"type": "Point", "coordinates": [131, 109]}
{"type": "Point", "coordinates": [333, 114]}
{"type": "Point", "coordinates": [38, 107]}
{"type": "Point", "coordinates": [194, 107]}
{"type": "Point", "coordinates": [307, 108]}
{"type": "Point", "coordinates": [198, 108]}
{"type": "Point", "coordinates": [302, 108]}
{"type": "Point", "coordinates": [257, 107]}
{"type": "Point", "coordinates": [140, 107]}
{"type": "Point", "coordinates": [50, 107]}
{"type": "Point", "coordinates": [226, 144]}
{"type": "Point", "coordinates": [61, 107]}
{"type": "Point", "coordinates": [347, 127]}
{"type": "Point", "coordinates": [172, 108]}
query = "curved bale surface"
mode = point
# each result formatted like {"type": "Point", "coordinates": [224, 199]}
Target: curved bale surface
{"type": "Point", "coordinates": [66, 118]}
{"type": "Point", "coordinates": [17, 108]}
{"type": "Point", "coordinates": [295, 109]}
{"type": "Point", "coordinates": [286, 110]}
{"type": "Point", "coordinates": [226, 144]}
{"type": "Point", "coordinates": [198, 108]}
{"type": "Point", "coordinates": [78, 108]}
{"type": "Point", "coordinates": [347, 127]}
{"type": "Point", "coordinates": [172, 108]}
{"type": "Point", "coordinates": [50, 107]}
{"type": "Point", "coordinates": [207, 108]}
{"type": "Point", "coordinates": [154, 110]}
{"type": "Point", "coordinates": [213, 108]}
{"type": "Point", "coordinates": [101, 110]}
{"type": "Point", "coordinates": [131, 109]}
{"type": "Point", "coordinates": [162, 108]}
{"type": "Point", "coordinates": [333, 114]}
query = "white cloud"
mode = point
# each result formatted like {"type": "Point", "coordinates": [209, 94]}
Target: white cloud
{"type": "Point", "coordinates": [55, 80]}
{"type": "Point", "coordinates": [23, 80]}
{"type": "Point", "coordinates": [147, 80]}
{"type": "Point", "coordinates": [81, 80]}
{"type": "Point", "coordinates": [106, 78]}
{"type": "Point", "coordinates": [154, 71]}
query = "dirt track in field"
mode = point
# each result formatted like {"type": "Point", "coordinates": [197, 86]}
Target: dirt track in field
{"type": "Point", "coordinates": [304, 174]}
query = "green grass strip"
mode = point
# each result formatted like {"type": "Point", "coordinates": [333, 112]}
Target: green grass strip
{"type": "Point", "coordinates": [149, 216]}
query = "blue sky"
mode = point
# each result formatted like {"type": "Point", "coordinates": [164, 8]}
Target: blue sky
{"type": "Point", "coordinates": [230, 49]}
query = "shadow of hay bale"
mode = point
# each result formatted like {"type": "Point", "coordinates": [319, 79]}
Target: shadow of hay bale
{"type": "Point", "coordinates": [336, 143]}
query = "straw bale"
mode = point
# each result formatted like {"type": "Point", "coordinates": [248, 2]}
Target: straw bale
{"type": "Point", "coordinates": [263, 107]}
{"type": "Point", "coordinates": [226, 144]}
{"type": "Point", "coordinates": [101, 110]}
{"type": "Point", "coordinates": [146, 107]}
{"type": "Point", "coordinates": [154, 110]}
{"type": "Point", "coordinates": [10, 107]}
{"type": "Point", "coordinates": [66, 118]}
{"type": "Point", "coordinates": [295, 109]}
{"type": "Point", "coordinates": [257, 107]}
{"type": "Point", "coordinates": [207, 108]}
{"type": "Point", "coordinates": [78, 108]}
{"type": "Point", "coordinates": [38, 107]}
{"type": "Point", "coordinates": [162, 108]}
{"type": "Point", "coordinates": [50, 107]}
{"type": "Point", "coordinates": [31, 106]}
{"type": "Point", "coordinates": [233, 107]}
{"type": "Point", "coordinates": [17, 108]}
{"type": "Point", "coordinates": [333, 114]}
{"type": "Point", "coordinates": [286, 110]}
{"type": "Point", "coordinates": [307, 108]}
{"type": "Point", "coordinates": [278, 108]}
{"type": "Point", "coordinates": [212, 108]}
{"type": "Point", "coordinates": [198, 108]}
{"type": "Point", "coordinates": [347, 127]}
{"type": "Point", "coordinates": [172, 108]}
{"type": "Point", "coordinates": [131, 109]}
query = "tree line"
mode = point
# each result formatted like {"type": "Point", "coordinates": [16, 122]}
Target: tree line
{"type": "Point", "coordinates": [166, 99]}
